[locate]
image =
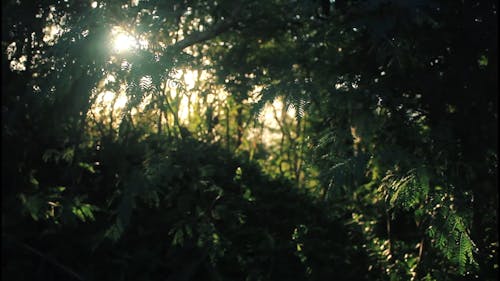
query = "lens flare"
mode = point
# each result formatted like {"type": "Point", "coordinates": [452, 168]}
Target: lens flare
{"type": "Point", "coordinates": [124, 42]}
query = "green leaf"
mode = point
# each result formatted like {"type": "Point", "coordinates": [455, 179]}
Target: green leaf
{"type": "Point", "coordinates": [482, 61]}
{"type": "Point", "coordinates": [51, 154]}
{"type": "Point", "coordinates": [178, 237]}
{"type": "Point", "coordinates": [86, 167]}
{"type": "Point", "coordinates": [238, 174]}
{"type": "Point", "coordinates": [68, 154]}
{"type": "Point", "coordinates": [247, 195]}
{"type": "Point", "coordinates": [84, 211]}
{"type": "Point", "coordinates": [115, 231]}
{"type": "Point", "coordinates": [33, 204]}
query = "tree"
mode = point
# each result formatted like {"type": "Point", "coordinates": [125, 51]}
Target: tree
{"type": "Point", "coordinates": [386, 171]}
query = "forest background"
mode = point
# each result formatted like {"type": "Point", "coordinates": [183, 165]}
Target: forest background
{"type": "Point", "coordinates": [249, 140]}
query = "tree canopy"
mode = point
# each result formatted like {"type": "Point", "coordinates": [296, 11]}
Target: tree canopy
{"type": "Point", "coordinates": [249, 140]}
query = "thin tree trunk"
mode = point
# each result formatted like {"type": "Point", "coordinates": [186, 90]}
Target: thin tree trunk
{"type": "Point", "coordinates": [239, 122]}
{"type": "Point", "coordinates": [228, 137]}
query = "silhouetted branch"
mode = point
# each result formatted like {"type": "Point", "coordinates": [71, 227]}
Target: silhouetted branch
{"type": "Point", "coordinates": [46, 257]}
{"type": "Point", "coordinates": [201, 36]}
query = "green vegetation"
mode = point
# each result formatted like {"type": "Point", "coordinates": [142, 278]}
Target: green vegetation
{"type": "Point", "coordinates": [249, 140]}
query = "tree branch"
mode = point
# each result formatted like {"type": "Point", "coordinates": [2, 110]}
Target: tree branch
{"type": "Point", "coordinates": [46, 257]}
{"type": "Point", "coordinates": [201, 36]}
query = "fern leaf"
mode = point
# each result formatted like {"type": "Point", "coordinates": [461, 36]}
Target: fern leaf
{"type": "Point", "coordinates": [267, 96]}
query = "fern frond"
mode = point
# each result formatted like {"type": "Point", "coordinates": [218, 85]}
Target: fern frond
{"type": "Point", "coordinates": [268, 95]}
{"type": "Point", "coordinates": [465, 252]}
{"type": "Point", "coordinates": [450, 233]}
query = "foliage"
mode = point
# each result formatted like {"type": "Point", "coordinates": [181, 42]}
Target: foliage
{"type": "Point", "coordinates": [249, 140]}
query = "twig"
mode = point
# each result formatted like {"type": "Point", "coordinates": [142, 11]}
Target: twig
{"type": "Point", "coordinates": [47, 258]}
{"type": "Point", "coordinates": [198, 37]}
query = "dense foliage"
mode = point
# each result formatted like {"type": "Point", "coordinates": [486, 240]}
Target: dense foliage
{"type": "Point", "coordinates": [249, 140]}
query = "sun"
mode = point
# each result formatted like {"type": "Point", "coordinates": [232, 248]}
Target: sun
{"type": "Point", "coordinates": [124, 42]}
